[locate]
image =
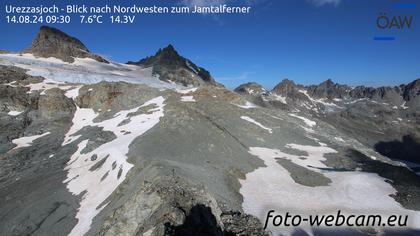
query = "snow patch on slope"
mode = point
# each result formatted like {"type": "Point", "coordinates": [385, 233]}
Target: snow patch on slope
{"type": "Point", "coordinates": [186, 91]}
{"type": "Point", "coordinates": [27, 141]}
{"type": "Point", "coordinates": [11, 84]}
{"type": "Point", "coordinates": [190, 66]}
{"type": "Point", "coordinates": [187, 99]}
{"type": "Point", "coordinates": [248, 105]}
{"type": "Point", "coordinates": [339, 139]}
{"type": "Point", "coordinates": [308, 122]}
{"type": "Point", "coordinates": [95, 175]}
{"type": "Point", "coordinates": [73, 93]}
{"type": "Point", "coordinates": [14, 113]}
{"type": "Point", "coordinates": [47, 84]}
{"type": "Point", "coordinates": [321, 101]}
{"type": "Point", "coordinates": [249, 119]}
{"type": "Point", "coordinates": [403, 106]}
{"type": "Point", "coordinates": [279, 98]}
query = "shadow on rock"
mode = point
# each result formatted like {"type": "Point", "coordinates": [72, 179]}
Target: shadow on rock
{"type": "Point", "coordinates": [407, 150]}
{"type": "Point", "coordinates": [200, 221]}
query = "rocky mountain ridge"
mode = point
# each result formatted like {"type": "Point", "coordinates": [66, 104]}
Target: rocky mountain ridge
{"type": "Point", "coordinates": [373, 116]}
{"type": "Point", "coordinates": [166, 64]}
{"type": "Point", "coordinates": [330, 91]}
{"type": "Point", "coordinates": [172, 67]}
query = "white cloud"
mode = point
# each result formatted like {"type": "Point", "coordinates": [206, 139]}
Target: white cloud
{"type": "Point", "coordinates": [202, 3]}
{"type": "Point", "coordinates": [242, 77]}
{"type": "Point", "coordinates": [320, 3]}
{"type": "Point", "coordinates": [216, 17]}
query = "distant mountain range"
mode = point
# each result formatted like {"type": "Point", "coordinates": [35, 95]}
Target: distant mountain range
{"type": "Point", "coordinates": [397, 95]}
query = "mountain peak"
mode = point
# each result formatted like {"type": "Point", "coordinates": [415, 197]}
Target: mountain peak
{"type": "Point", "coordinates": [328, 89]}
{"type": "Point", "coordinates": [172, 67]}
{"type": "Point", "coordinates": [287, 81]}
{"type": "Point", "coordinates": [169, 56]}
{"type": "Point", "coordinates": [52, 42]}
{"type": "Point", "coordinates": [327, 82]}
{"type": "Point", "coordinates": [164, 56]}
{"type": "Point", "coordinates": [170, 47]}
{"type": "Point", "coordinates": [46, 32]}
{"type": "Point", "coordinates": [168, 51]}
{"type": "Point", "coordinates": [284, 87]}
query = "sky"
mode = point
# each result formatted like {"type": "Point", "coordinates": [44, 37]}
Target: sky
{"type": "Point", "coordinates": [308, 41]}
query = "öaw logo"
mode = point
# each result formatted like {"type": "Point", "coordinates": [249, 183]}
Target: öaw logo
{"type": "Point", "coordinates": [394, 22]}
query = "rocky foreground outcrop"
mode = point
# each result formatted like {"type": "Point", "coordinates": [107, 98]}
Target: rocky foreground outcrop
{"type": "Point", "coordinates": [158, 198]}
{"type": "Point", "coordinates": [169, 205]}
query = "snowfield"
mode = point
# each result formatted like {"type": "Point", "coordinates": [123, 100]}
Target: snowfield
{"type": "Point", "coordinates": [272, 187]}
{"type": "Point", "coordinates": [320, 101]}
{"type": "Point", "coordinates": [249, 119]}
{"type": "Point", "coordinates": [279, 98]}
{"type": "Point", "coordinates": [187, 99]}
{"type": "Point", "coordinates": [47, 84]}
{"type": "Point", "coordinates": [98, 173]}
{"type": "Point", "coordinates": [73, 93]}
{"type": "Point", "coordinates": [307, 121]}
{"type": "Point", "coordinates": [248, 105]}
{"type": "Point", "coordinates": [186, 91]}
{"type": "Point", "coordinates": [27, 141]}
{"type": "Point", "coordinates": [14, 113]}
{"type": "Point", "coordinates": [83, 70]}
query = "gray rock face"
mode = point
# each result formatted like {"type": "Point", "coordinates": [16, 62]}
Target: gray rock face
{"type": "Point", "coordinates": [28, 174]}
{"type": "Point", "coordinates": [14, 98]}
{"type": "Point", "coordinates": [234, 223]}
{"type": "Point", "coordinates": [411, 94]}
{"type": "Point", "coordinates": [10, 74]}
{"type": "Point", "coordinates": [55, 105]}
{"type": "Point", "coordinates": [412, 90]}
{"type": "Point", "coordinates": [328, 89]}
{"type": "Point", "coordinates": [285, 87]}
{"type": "Point", "coordinates": [384, 94]}
{"type": "Point", "coordinates": [51, 42]}
{"type": "Point", "coordinates": [289, 90]}
{"type": "Point", "coordinates": [170, 66]}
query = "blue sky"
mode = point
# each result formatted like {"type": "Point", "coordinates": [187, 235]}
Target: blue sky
{"type": "Point", "coordinates": [307, 41]}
